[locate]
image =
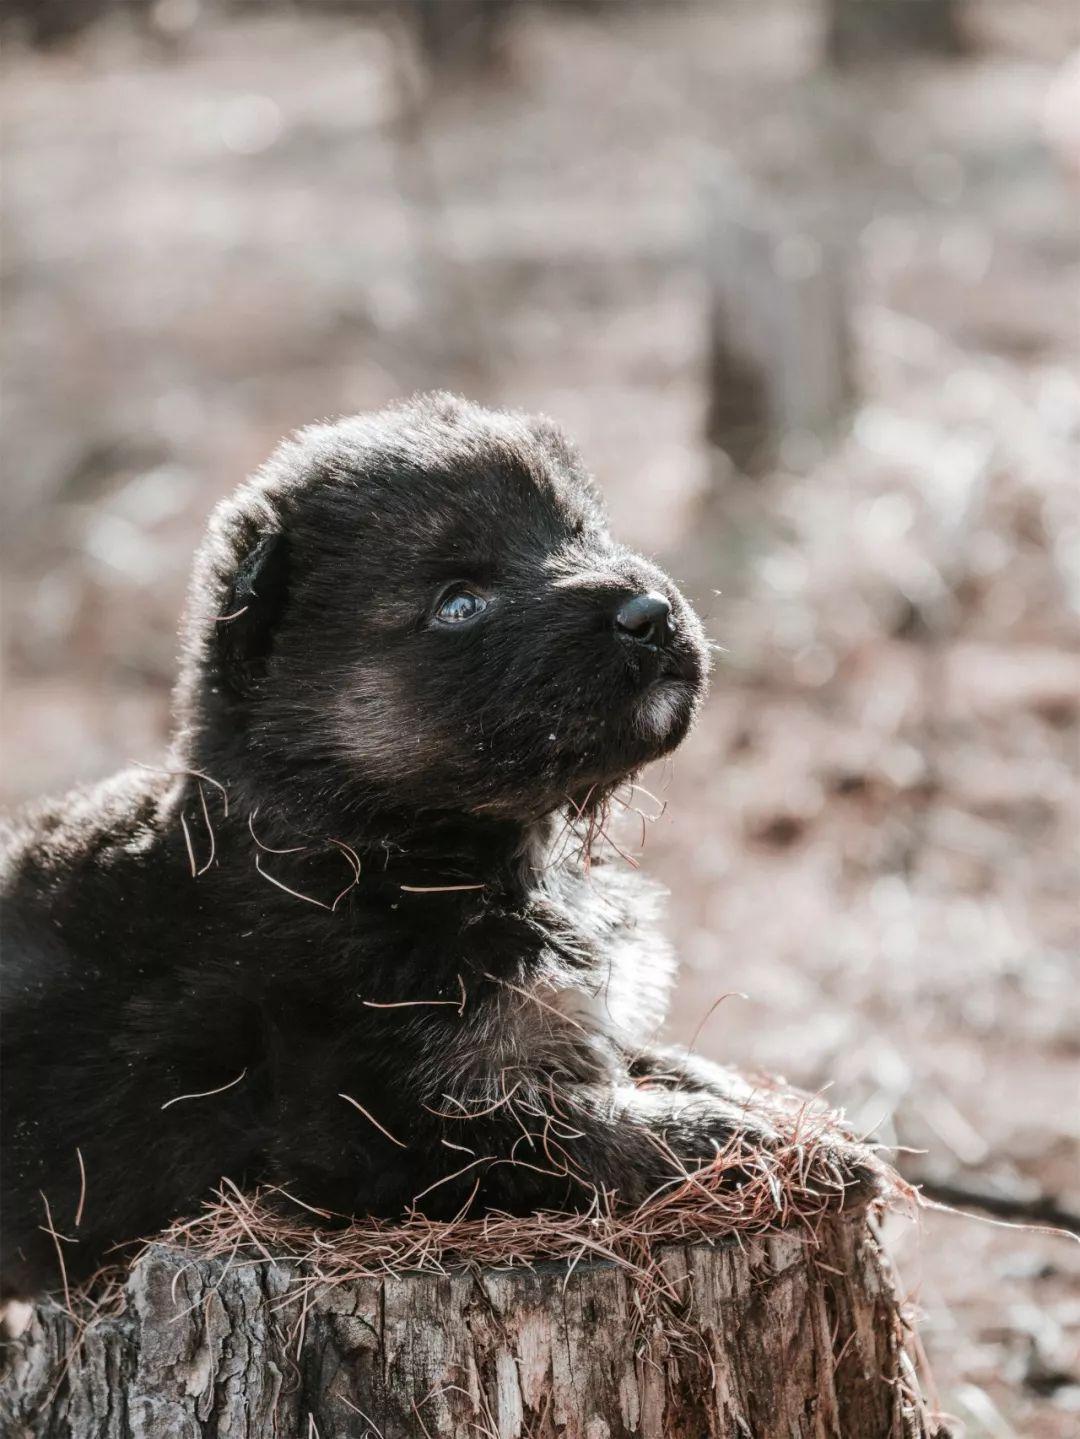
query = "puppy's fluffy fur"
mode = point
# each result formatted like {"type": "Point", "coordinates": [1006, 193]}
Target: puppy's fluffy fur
{"type": "Point", "coordinates": [339, 941]}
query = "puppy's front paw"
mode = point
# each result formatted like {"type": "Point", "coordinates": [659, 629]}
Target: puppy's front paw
{"type": "Point", "coordinates": [847, 1174]}
{"type": "Point", "coordinates": [789, 1150]}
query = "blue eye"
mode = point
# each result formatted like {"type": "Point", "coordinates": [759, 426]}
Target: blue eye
{"type": "Point", "coordinates": [459, 605]}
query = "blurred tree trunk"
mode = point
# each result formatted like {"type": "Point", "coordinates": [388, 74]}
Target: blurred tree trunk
{"type": "Point", "coordinates": [780, 364]}
{"type": "Point", "coordinates": [883, 29]}
{"type": "Point", "coordinates": [770, 1337]}
{"type": "Point", "coordinates": [461, 34]}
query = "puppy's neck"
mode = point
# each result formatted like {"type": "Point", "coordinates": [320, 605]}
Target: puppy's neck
{"type": "Point", "coordinates": [438, 850]}
{"type": "Point", "coordinates": [429, 851]}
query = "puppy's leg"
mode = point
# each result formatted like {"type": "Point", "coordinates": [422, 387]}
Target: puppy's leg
{"type": "Point", "coordinates": [554, 1147]}
{"type": "Point", "coordinates": [673, 1068]}
{"type": "Point", "coordinates": [540, 1143]}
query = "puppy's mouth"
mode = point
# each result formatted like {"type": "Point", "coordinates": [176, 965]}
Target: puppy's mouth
{"type": "Point", "coordinates": [675, 667]}
{"type": "Point", "coordinates": [663, 708]}
{"type": "Point", "coordinates": [683, 667]}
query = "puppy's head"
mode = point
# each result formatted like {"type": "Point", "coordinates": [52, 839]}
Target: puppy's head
{"type": "Point", "coordinates": [423, 609]}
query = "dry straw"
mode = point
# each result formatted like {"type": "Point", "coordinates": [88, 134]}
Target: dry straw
{"type": "Point", "coordinates": [802, 1179]}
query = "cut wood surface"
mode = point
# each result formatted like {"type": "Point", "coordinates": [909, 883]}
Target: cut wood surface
{"type": "Point", "coordinates": [771, 1337]}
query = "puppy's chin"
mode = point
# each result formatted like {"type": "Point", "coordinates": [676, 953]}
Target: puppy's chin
{"type": "Point", "coordinates": [663, 714]}
{"type": "Point", "coordinates": [656, 723]}
{"type": "Point", "coordinates": [608, 750]}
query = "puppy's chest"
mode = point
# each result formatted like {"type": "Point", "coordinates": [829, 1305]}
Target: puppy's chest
{"type": "Point", "coordinates": [556, 1016]}
{"type": "Point", "coordinates": [621, 995]}
{"type": "Point", "coordinates": [607, 970]}
{"type": "Point", "coordinates": [571, 987]}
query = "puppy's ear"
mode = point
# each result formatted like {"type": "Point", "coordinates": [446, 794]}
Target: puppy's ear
{"type": "Point", "coordinates": [256, 601]}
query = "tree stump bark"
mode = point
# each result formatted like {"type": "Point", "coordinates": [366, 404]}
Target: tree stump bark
{"type": "Point", "coordinates": [770, 1338]}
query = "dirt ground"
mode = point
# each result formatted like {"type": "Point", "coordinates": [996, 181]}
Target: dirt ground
{"type": "Point", "coordinates": [219, 232]}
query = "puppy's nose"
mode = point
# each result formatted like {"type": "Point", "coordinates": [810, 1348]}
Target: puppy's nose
{"type": "Point", "coordinates": [646, 619]}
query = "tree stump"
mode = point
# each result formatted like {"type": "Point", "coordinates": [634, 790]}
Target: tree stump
{"type": "Point", "coordinates": [765, 1338]}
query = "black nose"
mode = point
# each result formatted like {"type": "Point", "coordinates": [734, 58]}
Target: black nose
{"type": "Point", "coordinates": [646, 619]}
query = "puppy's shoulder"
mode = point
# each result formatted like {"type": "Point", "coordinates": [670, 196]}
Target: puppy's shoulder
{"type": "Point", "coordinates": [51, 841]}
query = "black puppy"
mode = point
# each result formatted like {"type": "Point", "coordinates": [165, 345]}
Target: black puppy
{"type": "Point", "coordinates": [340, 941]}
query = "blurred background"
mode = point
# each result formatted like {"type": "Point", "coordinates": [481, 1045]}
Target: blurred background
{"type": "Point", "coordinates": [801, 277]}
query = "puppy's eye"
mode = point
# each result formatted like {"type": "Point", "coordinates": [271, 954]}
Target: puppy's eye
{"type": "Point", "coordinates": [460, 604]}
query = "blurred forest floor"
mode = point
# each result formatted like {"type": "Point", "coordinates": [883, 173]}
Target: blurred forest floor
{"type": "Point", "coordinates": [873, 833]}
